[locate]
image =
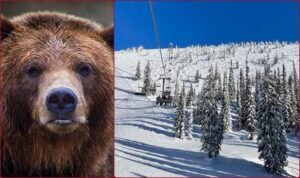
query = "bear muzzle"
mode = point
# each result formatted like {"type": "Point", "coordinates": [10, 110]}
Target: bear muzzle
{"type": "Point", "coordinates": [62, 102]}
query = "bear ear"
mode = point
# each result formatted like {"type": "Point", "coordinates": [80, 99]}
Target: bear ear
{"type": "Point", "coordinates": [108, 35]}
{"type": "Point", "coordinates": [6, 27]}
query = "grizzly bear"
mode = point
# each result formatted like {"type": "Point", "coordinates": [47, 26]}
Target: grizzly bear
{"type": "Point", "coordinates": [57, 81]}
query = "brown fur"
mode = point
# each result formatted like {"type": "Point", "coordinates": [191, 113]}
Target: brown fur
{"type": "Point", "coordinates": [28, 148]}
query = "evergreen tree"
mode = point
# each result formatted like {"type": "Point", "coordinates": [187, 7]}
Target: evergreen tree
{"type": "Point", "coordinates": [197, 76]}
{"type": "Point", "coordinates": [293, 113]}
{"type": "Point", "coordinates": [276, 59]}
{"type": "Point", "coordinates": [275, 75]}
{"type": "Point", "coordinates": [284, 82]}
{"type": "Point", "coordinates": [138, 71]}
{"type": "Point", "coordinates": [249, 111]}
{"type": "Point", "coordinates": [278, 83]}
{"type": "Point", "coordinates": [147, 79]}
{"type": "Point", "coordinates": [190, 96]}
{"type": "Point", "coordinates": [271, 137]}
{"type": "Point", "coordinates": [225, 110]}
{"type": "Point", "coordinates": [213, 126]}
{"type": "Point", "coordinates": [296, 85]}
{"type": "Point", "coordinates": [278, 75]}
{"type": "Point", "coordinates": [153, 89]}
{"type": "Point", "coordinates": [216, 75]}
{"type": "Point", "coordinates": [183, 90]}
{"type": "Point", "coordinates": [257, 89]}
{"type": "Point", "coordinates": [219, 89]}
{"type": "Point", "coordinates": [239, 107]}
{"type": "Point", "coordinates": [179, 126]}
{"type": "Point", "coordinates": [231, 84]}
{"type": "Point", "coordinates": [176, 93]}
{"type": "Point", "coordinates": [251, 122]}
{"type": "Point", "coordinates": [290, 82]}
{"type": "Point", "coordinates": [190, 126]}
{"type": "Point", "coordinates": [225, 84]}
{"type": "Point", "coordinates": [200, 109]}
{"type": "Point", "coordinates": [287, 110]}
{"type": "Point", "coordinates": [242, 119]}
{"type": "Point", "coordinates": [285, 98]}
{"type": "Point", "coordinates": [208, 57]}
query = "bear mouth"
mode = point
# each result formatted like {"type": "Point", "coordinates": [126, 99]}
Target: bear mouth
{"type": "Point", "coordinates": [64, 121]}
{"type": "Point", "coordinates": [63, 125]}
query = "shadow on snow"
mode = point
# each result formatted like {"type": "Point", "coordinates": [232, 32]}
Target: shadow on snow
{"type": "Point", "coordinates": [185, 163]}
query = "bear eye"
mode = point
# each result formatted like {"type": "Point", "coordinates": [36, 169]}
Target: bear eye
{"type": "Point", "coordinates": [84, 70]}
{"type": "Point", "coordinates": [33, 71]}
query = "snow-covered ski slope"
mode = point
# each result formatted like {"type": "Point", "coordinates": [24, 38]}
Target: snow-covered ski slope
{"type": "Point", "coordinates": [145, 144]}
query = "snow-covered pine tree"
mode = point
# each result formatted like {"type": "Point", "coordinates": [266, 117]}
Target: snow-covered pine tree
{"type": "Point", "coordinates": [279, 74]}
{"type": "Point", "coordinates": [290, 82]}
{"type": "Point", "coordinates": [190, 96]}
{"type": "Point", "coordinates": [138, 71]}
{"type": "Point", "coordinates": [147, 79]}
{"type": "Point", "coordinates": [271, 136]}
{"type": "Point", "coordinates": [212, 127]}
{"type": "Point", "coordinates": [231, 84]}
{"type": "Point", "coordinates": [256, 93]}
{"type": "Point", "coordinates": [284, 81]}
{"type": "Point", "coordinates": [242, 99]}
{"type": "Point", "coordinates": [251, 121]}
{"type": "Point", "coordinates": [179, 126]}
{"type": "Point", "coordinates": [249, 111]}
{"type": "Point", "coordinates": [293, 113]}
{"type": "Point", "coordinates": [238, 101]}
{"type": "Point", "coordinates": [190, 124]}
{"type": "Point", "coordinates": [176, 93]}
{"type": "Point", "coordinates": [219, 88]}
{"type": "Point", "coordinates": [200, 109]}
{"type": "Point", "coordinates": [289, 116]}
{"type": "Point", "coordinates": [296, 84]}
{"type": "Point", "coordinates": [276, 59]}
{"type": "Point", "coordinates": [153, 88]}
{"type": "Point", "coordinates": [190, 58]}
{"type": "Point", "coordinates": [177, 73]}
{"type": "Point", "coordinates": [183, 90]}
{"type": "Point", "coordinates": [197, 76]}
{"type": "Point", "coordinates": [225, 110]}
{"type": "Point", "coordinates": [198, 114]}
{"type": "Point", "coordinates": [284, 97]}
{"type": "Point", "coordinates": [275, 75]}
{"type": "Point", "coordinates": [208, 57]}
{"type": "Point", "coordinates": [216, 75]}
{"type": "Point", "coordinates": [278, 83]}
{"type": "Point", "coordinates": [225, 84]}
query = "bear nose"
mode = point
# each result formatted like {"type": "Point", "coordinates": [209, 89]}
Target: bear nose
{"type": "Point", "coordinates": [61, 100]}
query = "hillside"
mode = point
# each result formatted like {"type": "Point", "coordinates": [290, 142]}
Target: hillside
{"type": "Point", "coordinates": [145, 144]}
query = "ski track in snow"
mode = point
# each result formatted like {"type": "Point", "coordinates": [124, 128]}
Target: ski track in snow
{"type": "Point", "coordinates": [145, 144]}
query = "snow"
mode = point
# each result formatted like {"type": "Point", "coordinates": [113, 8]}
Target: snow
{"type": "Point", "coordinates": [145, 142]}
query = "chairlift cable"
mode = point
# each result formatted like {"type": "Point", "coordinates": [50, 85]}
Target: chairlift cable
{"type": "Point", "coordinates": [157, 36]}
{"type": "Point", "coordinates": [124, 71]}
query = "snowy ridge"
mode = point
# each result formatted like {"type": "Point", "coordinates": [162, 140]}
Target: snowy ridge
{"type": "Point", "coordinates": [188, 60]}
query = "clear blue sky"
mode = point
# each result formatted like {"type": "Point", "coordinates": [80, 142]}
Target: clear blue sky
{"type": "Point", "coordinates": [187, 23]}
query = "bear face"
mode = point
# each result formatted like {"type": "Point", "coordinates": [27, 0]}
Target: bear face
{"type": "Point", "coordinates": [57, 85]}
